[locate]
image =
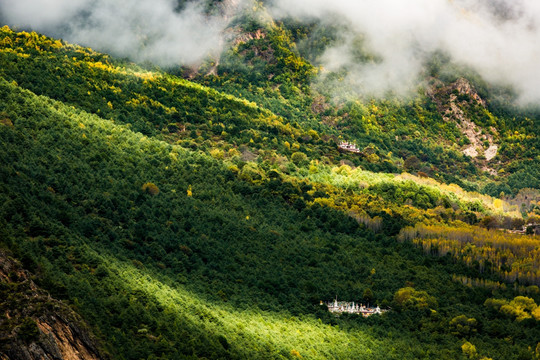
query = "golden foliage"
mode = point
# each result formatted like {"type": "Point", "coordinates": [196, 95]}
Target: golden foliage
{"type": "Point", "coordinates": [296, 354]}
{"type": "Point", "coordinates": [513, 256]}
{"type": "Point", "coordinates": [469, 350]}
{"type": "Point", "coordinates": [521, 307]}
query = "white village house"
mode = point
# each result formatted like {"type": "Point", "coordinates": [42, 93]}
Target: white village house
{"type": "Point", "coordinates": [339, 307]}
{"type": "Point", "coordinates": [347, 146]}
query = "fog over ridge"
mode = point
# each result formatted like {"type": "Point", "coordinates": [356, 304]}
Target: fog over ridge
{"type": "Point", "coordinates": [143, 30]}
{"type": "Point", "coordinates": [500, 39]}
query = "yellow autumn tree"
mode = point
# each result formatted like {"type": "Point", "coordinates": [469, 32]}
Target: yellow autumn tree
{"type": "Point", "coordinates": [469, 350]}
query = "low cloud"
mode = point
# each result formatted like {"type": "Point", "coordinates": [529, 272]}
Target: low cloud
{"type": "Point", "coordinates": [497, 38]}
{"type": "Point", "coordinates": [139, 29]}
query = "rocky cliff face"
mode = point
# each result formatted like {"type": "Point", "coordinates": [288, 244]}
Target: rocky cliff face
{"type": "Point", "coordinates": [35, 326]}
{"type": "Point", "coordinates": [455, 102]}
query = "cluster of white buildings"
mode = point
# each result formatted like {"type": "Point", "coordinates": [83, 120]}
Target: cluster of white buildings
{"type": "Point", "coordinates": [351, 308]}
{"type": "Point", "coordinates": [347, 146]}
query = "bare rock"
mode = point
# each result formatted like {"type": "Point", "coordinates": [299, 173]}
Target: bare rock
{"type": "Point", "coordinates": [35, 326]}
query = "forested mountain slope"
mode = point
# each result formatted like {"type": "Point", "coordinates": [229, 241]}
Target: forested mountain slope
{"type": "Point", "coordinates": [181, 221]}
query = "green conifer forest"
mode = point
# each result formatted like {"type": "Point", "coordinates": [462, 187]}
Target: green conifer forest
{"type": "Point", "coordinates": [211, 211]}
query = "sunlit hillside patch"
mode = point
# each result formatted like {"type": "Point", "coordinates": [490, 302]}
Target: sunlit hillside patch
{"type": "Point", "coordinates": [89, 58]}
{"type": "Point", "coordinates": [151, 100]}
{"type": "Point", "coordinates": [495, 205]}
{"type": "Point", "coordinates": [249, 333]}
{"type": "Point", "coordinates": [366, 195]}
{"type": "Point", "coordinates": [357, 179]}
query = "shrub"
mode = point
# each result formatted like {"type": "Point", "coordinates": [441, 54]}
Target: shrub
{"type": "Point", "coordinates": [299, 158]}
{"type": "Point", "coordinates": [409, 298]}
{"type": "Point", "coordinates": [463, 326]}
{"type": "Point", "coordinates": [469, 350]}
{"type": "Point", "coordinates": [28, 331]}
{"type": "Point", "coordinates": [150, 188]}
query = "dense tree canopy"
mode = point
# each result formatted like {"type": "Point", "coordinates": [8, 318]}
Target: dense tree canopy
{"type": "Point", "coordinates": [209, 218]}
